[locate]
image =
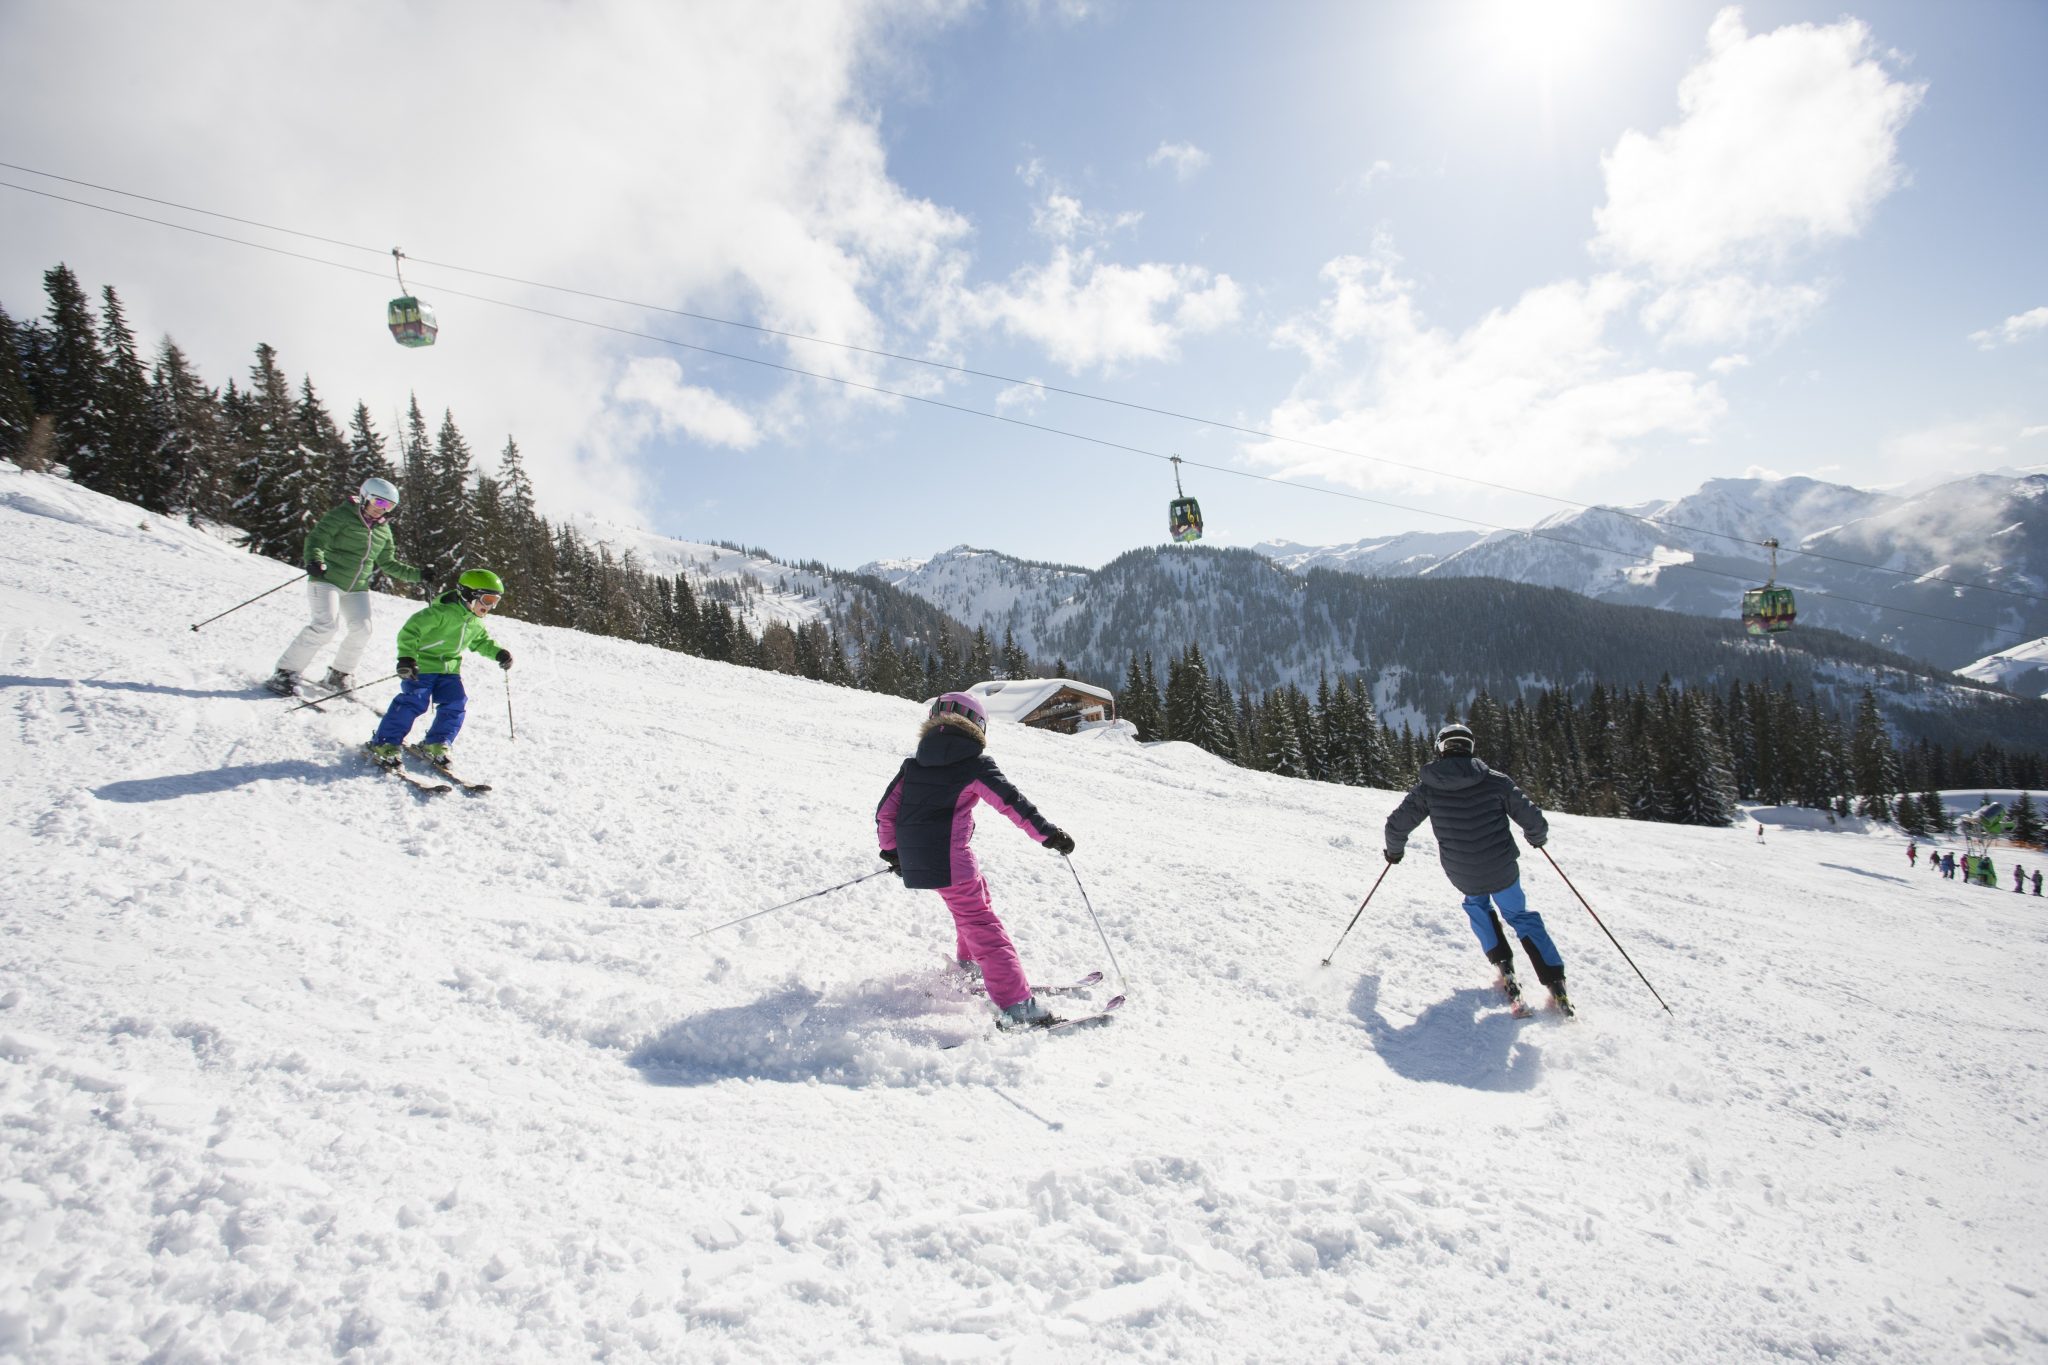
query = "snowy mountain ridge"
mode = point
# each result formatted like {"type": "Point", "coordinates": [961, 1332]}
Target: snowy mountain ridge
{"type": "Point", "coordinates": [1694, 554]}
{"type": "Point", "coordinates": [301, 1065]}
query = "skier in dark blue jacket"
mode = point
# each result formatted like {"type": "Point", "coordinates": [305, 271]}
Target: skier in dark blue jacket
{"type": "Point", "coordinates": [1468, 806]}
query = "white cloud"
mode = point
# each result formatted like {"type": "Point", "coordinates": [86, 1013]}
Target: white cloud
{"type": "Point", "coordinates": [2029, 433]}
{"type": "Point", "coordinates": [1786, 139]}
{"type": "Point", "coordinates": [1532, 387]}
{"type": "Point", "coordinates": [656, 384]}
{"type": "Point", "coordinates": [1729, 364]}
{"type": "Point", "coordinates": [1088, 313]}
{"type": "Point", "coordinates": [2014, 329]}
{"type": "Point", "coordinates": [1016, 396]}
{"type": "Point", "coordinates": [1728, 309]}
{"type": "Point", "coordinates": [1062, 217]}
{"type": "Point", "coordinates": [1379, 170]}
{"type": "Point", "coordinates": [721, 158]}
{"type": "Point", "coordinates": [1187, 160]}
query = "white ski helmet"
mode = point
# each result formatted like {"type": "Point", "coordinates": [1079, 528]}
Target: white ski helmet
{"type": "Point", "coordinates": [379, 488]}
{"type": "Point", "coordinates": [1454, 739]}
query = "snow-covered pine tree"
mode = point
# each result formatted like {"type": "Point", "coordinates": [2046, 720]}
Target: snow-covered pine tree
{"type": "Point", "coordinates": [65, 379]}
{"type": "Point", "coordinates": [191, 448]}
{"type": "Point", "coordinates": [2026, 820]}
{"type": "Point", "coordinates": [274, 478]}
{"type": "Point", "coordinates": [1873, 762]}
{"type": "Point", "coordinates": [17, 409]}
{"type": "Point", "coordinates": [131, 471]}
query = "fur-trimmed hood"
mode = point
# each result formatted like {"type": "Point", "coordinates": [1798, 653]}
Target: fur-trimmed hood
{"type": "Point", "coordinates": [956, 721]}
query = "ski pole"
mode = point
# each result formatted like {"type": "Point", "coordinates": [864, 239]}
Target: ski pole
{"type": "Point", "coordinates": [1604, 929]}
{"type": "Point", "coordinates": [257, 598]}
{"type": "Point", "coordinates": [1098, 924]}
{"type": "Point", "coordinates": [786, 904]}
{"type": "Point", "coordinates": [344, 692]}
{"type": "Point", "coordinates": [510, 728]}
{"type": "Point", "coordinates": [1361, 910]}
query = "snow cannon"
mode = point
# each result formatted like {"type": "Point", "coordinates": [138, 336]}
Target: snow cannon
{"type": "Point", "coordinates": [1989, 821]}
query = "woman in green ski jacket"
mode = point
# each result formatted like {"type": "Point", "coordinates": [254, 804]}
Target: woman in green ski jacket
{"type": "Point", "coordinates": [349, 547]}
{"type": "Point", "coordinates": [430, 649]}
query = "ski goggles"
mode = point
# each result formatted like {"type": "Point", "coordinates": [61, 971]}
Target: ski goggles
{"type": "Point", "coordinates": [954, 708]}
{"type": "Point", "coordinates": [380, 506]}
{"type": "Point", "coordinates": [488, 601]}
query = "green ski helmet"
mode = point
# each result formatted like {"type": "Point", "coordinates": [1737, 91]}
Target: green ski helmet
{"type": "Point", "coordinates": [480, 588]}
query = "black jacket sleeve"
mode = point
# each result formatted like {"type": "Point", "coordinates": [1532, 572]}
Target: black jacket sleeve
{"type": "Point", "coordinates": [1412, 811]}
{"type": "Point", "coordinates": [1526, 813]}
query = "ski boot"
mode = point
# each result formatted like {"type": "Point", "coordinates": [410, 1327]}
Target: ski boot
{"type": "Point", "coordinates": [969, 967]}
{"type": "Point", "coordinates": [383, 755]}
{"type": "Point", "coordinates": [1026, 1013]}
{"type": "Point", "coordinates": [1559, 999]}
{"type": "Point", "coordinates": [1504, 980]}
{"type": "Point", "coordinates": [284, 682]}
{"type": "Point", "coordinates": [337, 681]}
{"type": "Point", "coordinates": [436, 754]}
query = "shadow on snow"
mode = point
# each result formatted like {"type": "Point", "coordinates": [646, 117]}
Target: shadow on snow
{"type": "Point", "coordinates": [251, 692]}
{"type": "Point", "coordinates": [208, 781]}
{"type": "Point", "coordinates": [1452, 1042]}
{"type": "Point", "coordinates": [886, 1032]}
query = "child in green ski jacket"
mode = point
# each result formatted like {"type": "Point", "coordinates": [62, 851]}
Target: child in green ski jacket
{"type": "Point", "coordinates": [345, 552]}
{"type": "Point", "coordinates": [430, 650]}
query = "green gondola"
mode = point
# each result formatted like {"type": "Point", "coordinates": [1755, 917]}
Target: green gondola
{"type": "Point", "coordinates": [1183, 514]}
{"type": "Point", "coordinates": [411, 320]}
{"type": "Point", "coordinates": [1769, 609]}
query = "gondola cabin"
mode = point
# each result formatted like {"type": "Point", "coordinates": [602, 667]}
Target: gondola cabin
{"type": "Point", "coordinates": [412, 322]}
{"type": "Point", "coordinates": [1768, 610]}
{"type": "Point", "coordinates": [1184, 520]}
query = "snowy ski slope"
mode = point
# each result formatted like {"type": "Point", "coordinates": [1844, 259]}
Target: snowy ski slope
{"type": "Point", "coordinates": [298, 1065]}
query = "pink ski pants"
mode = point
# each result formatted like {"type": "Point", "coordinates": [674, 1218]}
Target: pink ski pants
{"type": "Point", "coordinates": [980, 938]}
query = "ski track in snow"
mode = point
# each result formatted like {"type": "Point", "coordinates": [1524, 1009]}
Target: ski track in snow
{"type": "Point", "coordinates": [296, 1064]}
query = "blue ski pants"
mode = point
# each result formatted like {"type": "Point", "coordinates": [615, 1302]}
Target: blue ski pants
{"type": "Point", "coordinates": [1526, 923]}
{"type": "Point", "coordinates": [440, 690]}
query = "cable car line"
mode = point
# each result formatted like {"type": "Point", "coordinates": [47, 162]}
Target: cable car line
{"type": "Point", "coordinates": [1928, 576]}
{"type": "Point", "coordinates": [1063, 433]}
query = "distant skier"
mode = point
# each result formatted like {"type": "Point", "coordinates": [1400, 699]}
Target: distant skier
{"type": "Point", "coordinates": [430, 649]}
{"type": "Point", "coordinates": [1948, 865]}
{"type": "Point", "coordinates": [345, 552]}
{"type": "Point", "coordinates": [1759, 831]}
{"type": "Point", "coordinates": [2037, 881]}
{"type": "Point", "coordinates": [2019, 880]}
{"type": "Point", "coordinates": [1912, 855]}
{"type": "Point", "coordinates": [925, 823]}
{"type": "Point", "coordinates": [1468, 806]}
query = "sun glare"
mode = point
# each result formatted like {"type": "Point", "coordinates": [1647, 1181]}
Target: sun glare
{"type": "Point", "coordinates": [1545, 35]}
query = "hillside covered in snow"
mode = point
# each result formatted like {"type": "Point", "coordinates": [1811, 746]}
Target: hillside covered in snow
{"type": "Point", "coordinates": [298, 1064]}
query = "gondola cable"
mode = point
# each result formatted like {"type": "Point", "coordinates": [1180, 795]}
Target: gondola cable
{"type": "Point", "coordinates": [1929, 576]}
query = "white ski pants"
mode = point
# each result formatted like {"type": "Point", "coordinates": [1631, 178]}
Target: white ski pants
{"type": "Point", "coordinates": [333, 610]}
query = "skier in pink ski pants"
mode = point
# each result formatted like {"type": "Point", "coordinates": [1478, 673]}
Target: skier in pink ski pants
{"type": "Point", "coordinates": [925, 824]}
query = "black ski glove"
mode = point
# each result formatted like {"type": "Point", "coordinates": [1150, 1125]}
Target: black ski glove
{"type": "Point", "coordinates": [317, 569]}
{"type": "Point", "coordinates": [504, 658]}
{"type": "Point", "coordinates": [1059, 841]}
{"type": "Point", "coordinates": [409, 669]}
{"type": "Point", "coordinates": [1395, 855]}
{"type": "Point", "coordinates": [1538, 842]}
{"type": "Point", "coordinates": [428, 573]}
{"type": "Point", "coordinates": [894, 860]}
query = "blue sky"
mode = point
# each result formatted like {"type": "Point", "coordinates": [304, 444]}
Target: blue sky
{"type": "Point", "coordinates": [1588, 248]}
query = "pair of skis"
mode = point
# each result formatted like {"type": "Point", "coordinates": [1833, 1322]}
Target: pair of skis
{"type": "Point", "coordinates": [439, 769]}
{"type": "Point", "coordinates": [1080, 987]}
